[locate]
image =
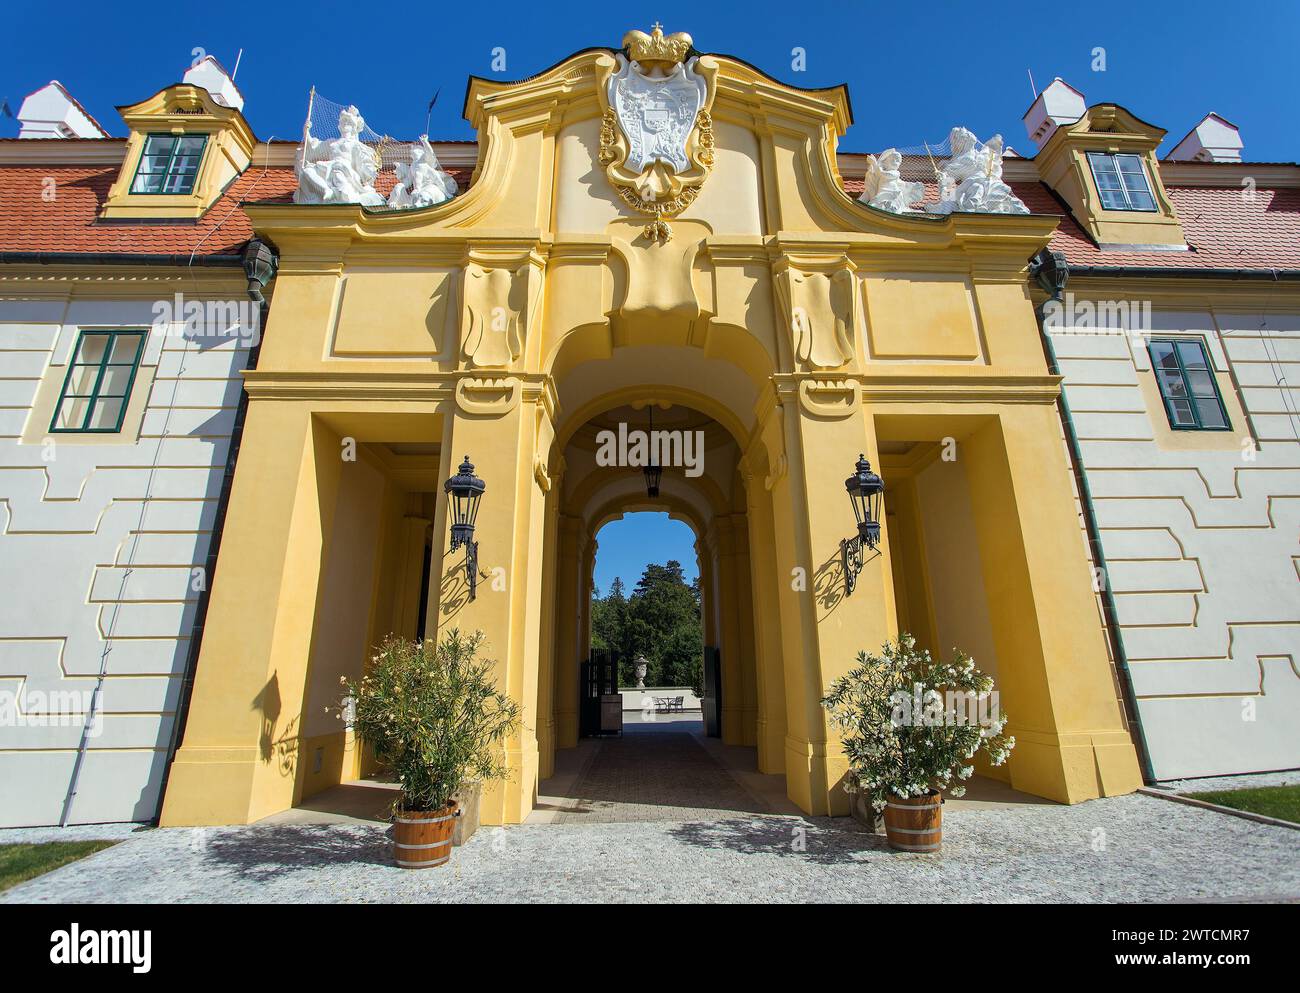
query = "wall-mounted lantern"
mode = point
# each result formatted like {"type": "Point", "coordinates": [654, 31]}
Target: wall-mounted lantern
{"type": "Point", "coordinates": [865, 489]}
{"type": "Point", "coordinates": [652, 470]}
{"type": "Point", "coordinates": [465, 490]}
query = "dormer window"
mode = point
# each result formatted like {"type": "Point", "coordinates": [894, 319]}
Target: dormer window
{"type": "Point", "coordinates": [169, 163]}
{"type": "Point", "coordinates": [1121, 181]}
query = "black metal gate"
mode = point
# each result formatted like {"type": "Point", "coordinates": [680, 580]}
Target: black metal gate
{"type": "Point", "coordinates": [599, 682]}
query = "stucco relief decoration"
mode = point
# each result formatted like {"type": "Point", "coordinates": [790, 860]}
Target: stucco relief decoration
{"type": "Point", "coordinates": [497, 306]}
{"type": "Point", "coordinates": [656, 137]}
{"type": "Point", "coordinates": [820, 309]}
{"type": "Point", "coordinates": [971, 181]}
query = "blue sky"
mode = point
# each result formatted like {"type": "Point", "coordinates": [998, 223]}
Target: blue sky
{"type": "Point", "coordinates": [913, 70]}
{"type": "Point", "coordinates": [627, 546]}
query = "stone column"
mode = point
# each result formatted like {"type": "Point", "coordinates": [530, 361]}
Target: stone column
{"type": "Point", "coordinates": [586, 576]}
{"type": "Point", "coordinates": [569, 612]}
{"type": "Point", "coordinates": [239, 758]}
{"type": "Point", "coordinates": [722, 545]}
{"type": "Point", "coordinates": [496, 423]}
{"type": "Point", "coordinates": [546, 720]}
{"type": "Point", "coordinates": [770, 723]}
{"type": "Point", "coordinates": [746, 629]}
{"type": "Point", "coordinates": [816, 431]}
{"type": "Point", "coordinates": [1053, 669]}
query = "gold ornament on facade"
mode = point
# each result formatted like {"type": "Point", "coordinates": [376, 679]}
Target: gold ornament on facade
{"type": "Point", "coordinates": [652, 48]}
{"type": "Point", "coordinates": [656, 133]}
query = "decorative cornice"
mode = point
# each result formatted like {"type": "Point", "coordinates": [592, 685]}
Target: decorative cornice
{"type": "Point", "coordinates": [426, 386]}
{"type": "Point", "coordinates": [957, 386]}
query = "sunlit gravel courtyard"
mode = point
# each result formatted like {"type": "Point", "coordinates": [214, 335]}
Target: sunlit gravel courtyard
{"type": "Point", "coordinates": [1133, 848]}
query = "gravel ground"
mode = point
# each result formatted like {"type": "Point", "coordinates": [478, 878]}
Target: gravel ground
{"type": "Point", "coordinates": [75, 832]}
{"type": "Point", "coordinates": [1251, 781]}
{"type": "Point", "coordinates": [1132, 848]}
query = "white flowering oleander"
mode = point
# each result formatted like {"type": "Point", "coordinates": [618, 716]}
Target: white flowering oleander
{"type": "Point", "coordinates": [891, 755]}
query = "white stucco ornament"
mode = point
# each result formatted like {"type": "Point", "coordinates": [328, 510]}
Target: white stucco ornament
{"type": "Point", "coordinates": [884, 188]}
{"type": "Point", "coordinates": [423, 183]}
{"type": "Point", "coordinates": [971, 182]}
{"type": "Point", "coordinates": [337, 170]}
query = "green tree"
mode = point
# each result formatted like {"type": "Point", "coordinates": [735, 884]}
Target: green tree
{"type": "Point", "coordinates": [664, 625]}
{"type": "Point", "coordinates": [660, 620]}
{"type": "Point", "coordinates": [609, 619]}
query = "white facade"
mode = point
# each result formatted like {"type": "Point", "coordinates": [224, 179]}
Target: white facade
{"type": "Point", "coordinates": [1200, 531]}
{"type": "Point", "coordinates": [102, 546]}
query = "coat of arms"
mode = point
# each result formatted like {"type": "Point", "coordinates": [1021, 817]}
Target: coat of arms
{"type": "Point", "coordinates": [657, 115]}
{"type": "Point", "coordinates": [656, 141]}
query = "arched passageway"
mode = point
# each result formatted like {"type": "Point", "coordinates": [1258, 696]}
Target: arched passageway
{"type": "Point", "coordinates": [664, 763]}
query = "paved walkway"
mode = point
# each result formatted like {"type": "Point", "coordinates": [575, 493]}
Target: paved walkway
{"type": "Point", "coordinates": [662, 770]}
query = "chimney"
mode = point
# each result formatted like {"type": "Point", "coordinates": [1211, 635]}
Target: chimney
{"type": "Point", "coordinates": [212, 76]}
{"type": "Point", "coordinates": [1060, 103]}
{"type": "Point", "coordinates": [1213, 140]}
{"type": "Point", "coordinates": [52, 112]}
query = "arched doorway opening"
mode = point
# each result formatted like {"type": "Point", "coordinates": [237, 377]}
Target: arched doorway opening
{"type": "Point", "coordinates": [646, 614]}
{"type": "Point", "coordinates": [666, 763]}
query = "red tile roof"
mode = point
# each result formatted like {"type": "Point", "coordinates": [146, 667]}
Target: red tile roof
{"type": "Point", "coordinates": [69, 222]}
{"type": "Point", "coordinates": [1224, 229]}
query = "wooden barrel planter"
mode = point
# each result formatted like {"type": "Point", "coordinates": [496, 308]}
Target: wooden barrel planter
{"type": "Point", "coordinates": [915, 823]}
{"type": "Point", "coordinates": [422, 838]}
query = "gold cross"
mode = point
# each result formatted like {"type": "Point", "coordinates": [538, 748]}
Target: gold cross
{"type": "Point", "coordinates": [656, 26]}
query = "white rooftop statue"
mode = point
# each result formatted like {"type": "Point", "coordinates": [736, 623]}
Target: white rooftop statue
{"type": "Point", "coordinates": [1213, 140]}
{"type": "Point", "coordinates": [1060, 103]}
{"type": "Point", "coordinates": [883, 187]}
{"type": "Point", "coordinates": [423, 183]}
{"type": "Point", "coordinates": [212, 76]}
{"type": "Point", "coordinates": [52, 112]}
{"type": "Point", "coordinates": [971, 181]}
{"type": "Point", "coordinates": [338, 170]}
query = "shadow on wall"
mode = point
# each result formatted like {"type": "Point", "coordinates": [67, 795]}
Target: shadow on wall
{"type": "Point", "coordinates": [828, 581]}
{"type": "Point", "coordinates": [453, 593]}
{"type": "Point", "coordinates": [284, 746]}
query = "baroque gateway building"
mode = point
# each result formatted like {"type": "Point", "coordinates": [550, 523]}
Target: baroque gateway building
{"type": "Point", "coordinates": [1070, 371]}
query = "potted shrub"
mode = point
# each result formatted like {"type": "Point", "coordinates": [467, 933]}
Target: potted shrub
{"type": "Point", "coordinates": [910, 726]}
{"type": "Point", "coordinates": [434, 717]}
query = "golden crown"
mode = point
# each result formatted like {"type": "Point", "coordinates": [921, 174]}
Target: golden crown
{"type": "Point", "coordinates": [654, 47]}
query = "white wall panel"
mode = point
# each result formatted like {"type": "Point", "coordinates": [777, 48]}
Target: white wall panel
{"type": "Point", "coordinates": [1202, 545]}
{"type": "Point", "coordinates": [68, 529]}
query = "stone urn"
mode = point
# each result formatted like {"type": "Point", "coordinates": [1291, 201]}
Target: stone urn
{"type": "Point", "coordinates": [641, 667]}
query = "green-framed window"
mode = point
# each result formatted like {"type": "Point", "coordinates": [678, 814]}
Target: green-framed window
{"type": "Point", "coordinates": [169, 163]}
{"type": "Point", "coordinates": [1187, 385]}
{"type": "Point", "coordinates": [98, 385]}
{"type": "Point", "coordinates": [1121, 181]}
